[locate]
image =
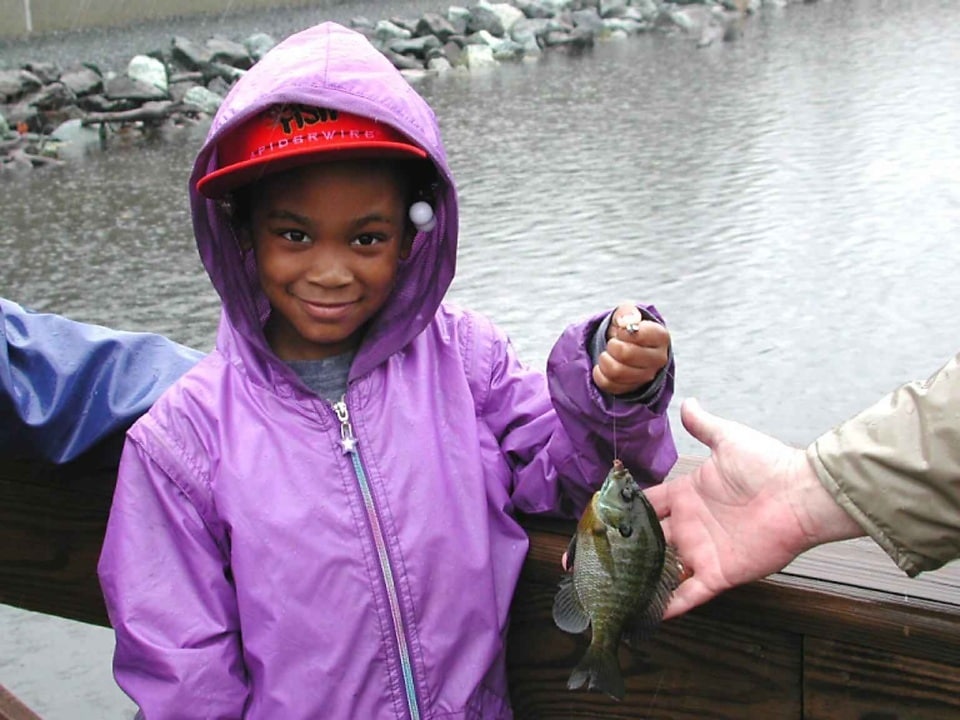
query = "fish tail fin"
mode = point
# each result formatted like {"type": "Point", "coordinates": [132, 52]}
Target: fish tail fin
{"type": "Point", "coordinates": [599, 669]}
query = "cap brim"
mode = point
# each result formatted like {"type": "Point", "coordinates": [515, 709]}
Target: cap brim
{"type": "Point", "coordinates": [220, 182]}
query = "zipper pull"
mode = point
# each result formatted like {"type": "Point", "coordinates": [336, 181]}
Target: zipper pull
{"type": "Point", "coordinates": [347, 440]}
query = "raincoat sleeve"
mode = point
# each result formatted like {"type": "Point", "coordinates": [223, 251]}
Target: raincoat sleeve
{"type": "Point", "coordinates": [66, 385]}
{"type": "Point", "coordinates": [895, 468]}
{"type": "Point", "coordinates": [561, 447]}
{"type": "Point", "coordinates": [591, 418]}
{"type": "Point", "coordinates": [182, 658]}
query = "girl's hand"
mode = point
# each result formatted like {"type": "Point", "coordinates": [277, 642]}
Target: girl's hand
{"type": "Point", "coordinates": [637, 350]}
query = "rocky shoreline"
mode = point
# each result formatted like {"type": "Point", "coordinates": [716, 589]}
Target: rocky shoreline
{"type": "Point", "coordinates": [46, 110]}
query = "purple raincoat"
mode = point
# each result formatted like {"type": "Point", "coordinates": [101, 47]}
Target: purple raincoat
{"type": "Point", "coordinates": [258, 563]}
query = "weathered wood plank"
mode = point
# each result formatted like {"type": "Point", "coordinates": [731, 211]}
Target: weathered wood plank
{"type": "Point", "coordinates": [844, 681]}
{"type": "Point", "coordinates": [52, 519]}
{"type": "Point", "coordinates": [12, 709]}
{"type": "Point", "coordinates": [861, 563]}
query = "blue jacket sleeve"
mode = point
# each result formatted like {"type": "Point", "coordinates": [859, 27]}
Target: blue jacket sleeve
{"type": "Point", "coordinates": [66, 385]}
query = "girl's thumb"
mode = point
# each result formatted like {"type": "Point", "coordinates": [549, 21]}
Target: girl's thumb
{"type": "Point", "coordinates": [699, 423]}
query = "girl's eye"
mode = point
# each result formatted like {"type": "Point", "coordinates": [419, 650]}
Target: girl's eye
{"type": "Point", "coordinates": [368, 240]}
{"type": "Point", "coordinates": [295, 236]}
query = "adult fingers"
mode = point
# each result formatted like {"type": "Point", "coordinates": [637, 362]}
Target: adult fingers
{"type": "Point", "coordinates": [687, 596]}
{"type": "Point", "coordinates": [659, 498]}
{"type": "Point", "coordinates": [704, 426]}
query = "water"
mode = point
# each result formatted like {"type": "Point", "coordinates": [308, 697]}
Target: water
{"type": "Point", "coordinates": [789, 202]}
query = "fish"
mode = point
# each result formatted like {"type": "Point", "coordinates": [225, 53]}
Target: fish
{"type": "Point", "coordinates": [621, 574]}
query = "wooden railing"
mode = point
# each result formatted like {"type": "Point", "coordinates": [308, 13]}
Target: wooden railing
{"type": "Point", "coordinates": [841, 633]}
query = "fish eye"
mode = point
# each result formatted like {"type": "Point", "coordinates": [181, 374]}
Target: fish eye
{"type": "Point", "coordinates": [625, 530]}
{"type": "Point", "coordinates": [628, 494]}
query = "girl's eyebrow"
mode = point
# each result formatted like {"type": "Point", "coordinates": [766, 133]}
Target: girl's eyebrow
{"type": "Point", "coordinates": [374, 217]}
{"type": "Point", "coordinates": [288, 215]}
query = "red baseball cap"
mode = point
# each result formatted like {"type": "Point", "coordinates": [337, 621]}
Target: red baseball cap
{"type": "Point", "coordinates": [286, 136]}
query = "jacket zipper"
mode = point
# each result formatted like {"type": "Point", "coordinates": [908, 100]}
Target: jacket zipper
{"type": "Point", "coordinates": [349, 442]}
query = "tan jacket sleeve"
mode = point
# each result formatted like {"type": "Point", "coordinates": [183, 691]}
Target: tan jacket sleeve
{"type": "Point", "coordinates": [895, 468]}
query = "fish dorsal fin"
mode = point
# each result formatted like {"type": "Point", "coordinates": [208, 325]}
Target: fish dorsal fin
{"type": "Point", "coordinates": [568, 612]}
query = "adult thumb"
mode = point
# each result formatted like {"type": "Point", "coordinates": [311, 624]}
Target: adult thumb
{"type": "Point", "coordinates": [702, 425]}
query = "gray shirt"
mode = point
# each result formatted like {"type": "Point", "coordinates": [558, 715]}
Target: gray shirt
{"type": "Point", "coordinates": [327, 377]}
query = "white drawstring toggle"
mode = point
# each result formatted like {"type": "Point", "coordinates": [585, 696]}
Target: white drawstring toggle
{"type": "Point", "coordinates": [421, 215]}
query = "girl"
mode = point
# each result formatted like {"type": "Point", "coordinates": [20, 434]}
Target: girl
{"type": "Point", "coordinates": [317, 520]}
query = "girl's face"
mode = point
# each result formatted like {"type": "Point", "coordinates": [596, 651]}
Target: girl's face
{"type": "Point", "coordinates": [328, 239]}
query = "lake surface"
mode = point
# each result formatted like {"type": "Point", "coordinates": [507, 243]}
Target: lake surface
{"type": "Point", "coordinates": [790, 203]}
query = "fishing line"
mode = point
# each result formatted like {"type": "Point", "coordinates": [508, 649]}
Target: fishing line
{"type": "Point", "coordinates": [616, 453]}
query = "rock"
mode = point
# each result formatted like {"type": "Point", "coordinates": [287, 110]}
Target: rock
{"type": "Point", "coordinates": [508, 14]}
{"type": "Point", "coordinates": [527, 33]}
{"type": "Point", "coordinates": [458, 17]}
{"type": "Point", "coordinates": [403, 62]}
{"type": "Point", "coordinates": [408, 24]}
{"type": "Point", "coordinates": [452, 52]}
{"type": "Point", "coordinates": [436, 25]}
{"type": "Point", "coordinates": [189, 54]}
{"type": "Point", "coordinates": [588, 20]}
{"type": "Point", "coordinates": [191, 76]}
{"type": "Point", "coordinates": [476, 57]}
{"type": "Point", "coordinates": [503, 48]}
{"type": "Point", "coordinates": [228, 72]}
{"type": "Point", "coordinates": [123, 87]}
{"type": "Point", "coordinates": [6, 132]}
{"type": "Point", "coordinates": [229, 52]}
{"type": "Point", "coordinates": [47, 72]}
{"type": "Point", "coordinates": [419, 47]}
{"type": "Point", "coordinates": [386, 31]}
{"type": "Point", "coordinates": [439, 65]}
{"type": "Point", "coordinates": [612, 8]}
{"type": "Point", "coordinates": [484, 17]}
{"type": "Point", "coordinates": [75, 137]}
{"type": "Point", "coordinates": [82, 80]}
{"type": "Point", "coordinates": [16, 83]}
{"type": "Point", "coordinates": [51, 97]}
{"type": "Point", "coordinates": [148, 70]}
{"type": "Point", "coordinates": [258, 45]}
{"type": "Point", "coordinates": [203, 99]}
{"type": "Point", "coordinates": [648, 9]}
{"type": "Point", "coordinates": [535, 9]}
{"type": "Point", "coordinates": [219, 86]}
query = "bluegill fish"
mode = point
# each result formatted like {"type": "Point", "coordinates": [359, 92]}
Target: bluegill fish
{"type": "Point", "coordinates": [623, 573]}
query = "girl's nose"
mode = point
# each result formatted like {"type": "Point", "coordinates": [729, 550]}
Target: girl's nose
{"type": "Point", "coordinates": [329, 268]}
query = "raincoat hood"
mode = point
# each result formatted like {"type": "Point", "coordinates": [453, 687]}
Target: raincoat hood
{"type": "Point", "coordinates": [333, 67]}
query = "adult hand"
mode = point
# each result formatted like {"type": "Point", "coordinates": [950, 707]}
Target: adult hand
{"type": "Point", "coordinates": [747, 511]}
{"type": "Point", "coordinates": [637, 350]}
